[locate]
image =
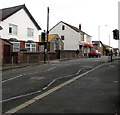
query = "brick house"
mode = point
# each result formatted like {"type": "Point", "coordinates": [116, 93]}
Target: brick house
{"type": "Point", "coordinates": [20, 28]}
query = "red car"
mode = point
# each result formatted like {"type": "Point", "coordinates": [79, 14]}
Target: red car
{"type": "Point", "coordinates": [94, 53]}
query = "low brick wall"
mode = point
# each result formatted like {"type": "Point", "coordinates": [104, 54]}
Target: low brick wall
{"type": "Point", "coordinates": [37, 57]}
{"type": "Point", "coordinates": [69, 54]}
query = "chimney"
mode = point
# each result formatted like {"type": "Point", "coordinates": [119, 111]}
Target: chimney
{"type": "Point", "coordinates": [80, 27]}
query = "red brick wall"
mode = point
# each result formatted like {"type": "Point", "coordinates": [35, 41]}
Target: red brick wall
{"type": "Point", "coordinates": [10, 45]}
{"type": "Point", "coordinates": [22, 44]}
{"type": "Point", "coordinates": [37, 46]}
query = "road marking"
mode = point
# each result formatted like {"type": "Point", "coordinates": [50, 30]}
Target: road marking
{"type": "Point", "coordinates": [12, 78]}
{"type": "Point", "coordinates": [20, 96]}
{"type": "Point", "coordinates": [27, 103]}
{"type": "Point", "coordinates": [26, 74]}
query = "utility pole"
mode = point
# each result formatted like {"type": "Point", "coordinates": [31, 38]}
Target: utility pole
{"type": "Point", "coordinates": [47, 30]}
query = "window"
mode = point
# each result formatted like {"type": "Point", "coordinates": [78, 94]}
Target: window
{"type": "Point", "coordinates": [13, 29]}
{"type": "Point", "coordinates": [31, 47]}
{"type": "Point", "coordinates": [16, 47]}
{"type": "Point", "coordinates": [63, 27]}
{"type": "Point", "coordinates": [30, 32]}
{"type": "Point", "coordinates": [41, 47]}
{"type": "Point", "coordinates": [62, 37]}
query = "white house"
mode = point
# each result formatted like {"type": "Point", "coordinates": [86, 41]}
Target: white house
{"type": "Point", "coordinates": [18, 23]}
{"type": "Point", "coordinates": [72, 37]}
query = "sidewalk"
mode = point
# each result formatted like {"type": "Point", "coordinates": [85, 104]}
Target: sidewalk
{"type": "Point", "coordinates": [10, 66]}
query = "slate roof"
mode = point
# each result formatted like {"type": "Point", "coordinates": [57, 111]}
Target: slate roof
{"type": "Point", "coordinates": [73, 27]}
{"type": "Point", "coordinates": [7, 12]}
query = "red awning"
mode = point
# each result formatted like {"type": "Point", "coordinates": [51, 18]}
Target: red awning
{"type": "Point", "coordinates": [89, 45]}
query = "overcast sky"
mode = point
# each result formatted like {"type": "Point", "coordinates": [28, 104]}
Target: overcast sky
{"type": "Point", "coordinates": [91, 14]}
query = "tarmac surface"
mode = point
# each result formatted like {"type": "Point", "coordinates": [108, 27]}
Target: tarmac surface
{"type": "Point", "coordinates": [95, 92]}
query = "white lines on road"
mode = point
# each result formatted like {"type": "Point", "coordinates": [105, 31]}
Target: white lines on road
{"type": "Point", "coordinates": [54, 80]}
{"type": "Point", "coordinates": [12, 78]}
{"type": "Point", "coordinates": [27, 103]}
{"type": "Point", "coordinates": [18, 76]}
{"type": "Point", "coordinates": [44, 88]}
{"type": "Point", "coordinates": [20, 96]}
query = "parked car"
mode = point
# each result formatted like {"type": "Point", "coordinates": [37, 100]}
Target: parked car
{"type": "Point", "coordinates": [94, 53]}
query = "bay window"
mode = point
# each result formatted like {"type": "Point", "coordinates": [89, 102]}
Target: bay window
{"type": "Point", "coordinates": [31, 47]}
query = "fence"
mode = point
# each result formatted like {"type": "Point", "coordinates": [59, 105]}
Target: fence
{"type": "Point", "coordinates": [37, 57]}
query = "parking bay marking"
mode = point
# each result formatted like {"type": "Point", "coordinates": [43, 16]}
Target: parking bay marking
{"type": "Point", "coordinates": [27, 103]}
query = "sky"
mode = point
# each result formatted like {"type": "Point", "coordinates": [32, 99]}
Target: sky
{"type": "Point", "coordinates": [97, 17]}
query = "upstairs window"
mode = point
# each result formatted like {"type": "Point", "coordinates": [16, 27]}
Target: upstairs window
{"type": "Point", "coordinates": [62, 37]}
{"type": "Point", "coordinates": [63, 27]}
{"type": "Point", "coordinates": [30, 32]}
{"type": "Point", "coordinates": [13, 29]}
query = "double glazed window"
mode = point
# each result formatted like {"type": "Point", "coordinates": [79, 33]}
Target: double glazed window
{"type": "Point", "coordinates": [16, 46]}
{"type": "Point", "coordinates": [31, 47]}
{"type": "Point", "coordinates": [30, 32]}
{"type": "Point", "coordinates": [13, 29]}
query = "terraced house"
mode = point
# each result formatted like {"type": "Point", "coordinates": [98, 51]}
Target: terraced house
{"type": "Point", "coordinates": [20, 28]}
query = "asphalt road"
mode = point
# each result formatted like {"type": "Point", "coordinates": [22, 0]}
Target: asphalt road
{"type": "Point", "coordinates": [20, 85]}
{"type": "Point", "coordinates": [95, 92]}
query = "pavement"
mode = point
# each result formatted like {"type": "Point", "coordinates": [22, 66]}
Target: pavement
{"type": "Point", "coordinates": [95, 92]}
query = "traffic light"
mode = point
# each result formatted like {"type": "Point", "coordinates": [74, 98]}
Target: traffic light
{"type": "Point", "coordinates": [116, 34]}
{"type": "Point", "coordinates": [43, 36]}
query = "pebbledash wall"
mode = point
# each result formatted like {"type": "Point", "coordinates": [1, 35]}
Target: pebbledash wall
{"type": "Point", "coordinates": [22, 20]}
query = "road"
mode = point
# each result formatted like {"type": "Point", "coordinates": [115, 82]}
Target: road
{"type": "Point", "coordinates": [21, 85]}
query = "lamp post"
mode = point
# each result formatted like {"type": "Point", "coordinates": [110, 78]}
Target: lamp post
{"type": "Point", "coordinates": [99, 33]}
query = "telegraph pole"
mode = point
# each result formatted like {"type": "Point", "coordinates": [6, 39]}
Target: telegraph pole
{"type": "Point", "coordinates": [47, 30]}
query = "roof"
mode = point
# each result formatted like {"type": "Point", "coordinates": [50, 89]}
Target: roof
{"type": "Point", "coordinates": [72, 27]}
{"type": "Point", "coordinates": [7, 12]}
{"type": "Point", "coordinates": [6, 41]}
{"type": "Point", "coordinates": [50, 37]}
{"type": "Point", "coordinates": [107, 46]}
{"type": "Point", "coordinates": [97, 42]}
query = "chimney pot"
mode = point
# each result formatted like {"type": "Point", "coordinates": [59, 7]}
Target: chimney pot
{"type": "Point", "coordinates": [80, 27]}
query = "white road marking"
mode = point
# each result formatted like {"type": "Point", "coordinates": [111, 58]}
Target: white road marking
{"type": "Point", "coordinates": [27, 103]}
{"type": "Point", "coordinates": [12, 78]}
{"type": "Point", "coordinates": [32, 93]}
{"type": "Point", "coordinates": [25, 74]}
{"type": "Point", "coordinates": [20, 96]}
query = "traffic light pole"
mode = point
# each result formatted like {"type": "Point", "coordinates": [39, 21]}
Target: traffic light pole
{"type": "Point", "coordinates": [47, 30]}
